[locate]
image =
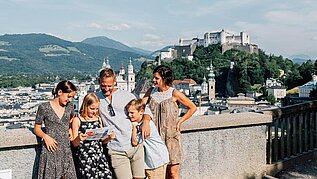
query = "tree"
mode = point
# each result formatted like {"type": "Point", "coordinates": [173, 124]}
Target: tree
{"type": "Point", "coordinates": [313, 93]}
{"type": "Point", "coordinates": [271, 98]}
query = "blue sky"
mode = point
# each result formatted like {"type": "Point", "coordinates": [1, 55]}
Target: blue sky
{"type": "Point", "coordinates": [285, 27]}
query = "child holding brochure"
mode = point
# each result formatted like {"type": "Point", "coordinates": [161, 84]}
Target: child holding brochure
{"type": "Point", "coordinates": [155, 152]}
{"type": "Point", "coordinates": [90, 161]}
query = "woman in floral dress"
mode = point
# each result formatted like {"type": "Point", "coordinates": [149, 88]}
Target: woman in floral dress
{"type": "Point", "coordinates": [56, 157]}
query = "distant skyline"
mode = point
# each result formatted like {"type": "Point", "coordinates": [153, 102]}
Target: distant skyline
{"type": "Point", "coordinates": [284, 28]}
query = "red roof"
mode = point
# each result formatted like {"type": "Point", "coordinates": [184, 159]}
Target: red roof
{"type": "Point", "coordinates": [186, 80]}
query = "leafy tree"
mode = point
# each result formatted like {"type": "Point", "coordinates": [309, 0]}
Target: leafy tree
{"type": "Point", "coordinates": [270, 98]}
{"type": "Point", "coordinates": [313, 93]}
{"type": "Point", "coordinates": [306, 70]}
{"type": "Point", "coordinates": [248, 70]}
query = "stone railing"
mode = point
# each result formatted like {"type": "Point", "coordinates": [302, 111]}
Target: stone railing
{"type": "Point", "coordinates": [215, 146]}
{"type": "Point", "coordinates": [17, 151]}
{"type": "Point", "coordinates": [225, 146]}
{"type": "Point", "coordinates": [292, 137]}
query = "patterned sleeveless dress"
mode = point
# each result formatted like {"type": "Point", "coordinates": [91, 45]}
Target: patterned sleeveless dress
{"type": "Point", "coordinates": [90, 159]}
{"type": "Point", "coordinates": [165, 114]}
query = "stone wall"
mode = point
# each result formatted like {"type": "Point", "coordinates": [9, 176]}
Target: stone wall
{"type": "Point", "coordinates": [17, 151]}
{"type": "Point", "coordinates": [20, 161]}
{"type": "Point", "coordinates": [220, 146]}
{"type": "Point", "coordinates": [224, 150]}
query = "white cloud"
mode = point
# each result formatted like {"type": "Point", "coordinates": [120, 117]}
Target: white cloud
{"type": "Point", "coordinates": [280, 27]}
{"type": "Point", "coordinates": [110, 27]}
{"type": "Point", "coordinates": [151, 44]}
{"type": "Point", "coordinates": [292, 18]}
{"type": "Point", "coordinates": [62, 36]}
{"type": "Point", "coordinates": [207, 8]}
{"type": "Point", "coordinates": [280, 39]}
{"type": "Point", "coordinates": [151, 36]}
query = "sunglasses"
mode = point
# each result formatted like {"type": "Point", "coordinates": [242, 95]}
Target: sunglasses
{"type": "Point", "coordinates": [111, 110]}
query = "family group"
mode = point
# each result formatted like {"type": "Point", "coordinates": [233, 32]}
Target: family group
{"type": "Point", "coordinates": [144, 141]}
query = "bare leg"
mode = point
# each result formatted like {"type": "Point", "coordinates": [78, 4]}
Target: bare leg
{"type": "Point", "coordinates": [172, 172]}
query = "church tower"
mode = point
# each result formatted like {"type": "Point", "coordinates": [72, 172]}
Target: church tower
{"type": "Point", "coordinates": [204, 87]}
{"type": "Point", "coordinates": [105, 64]}
{"type": "Point", "coordinates": [122, 70]}
{"type": "Point", "coordinates": [131, 77]}
{"type": "Point", "coordinates": [211, 83]}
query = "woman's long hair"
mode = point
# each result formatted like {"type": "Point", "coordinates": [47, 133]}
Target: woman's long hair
{"type": "Point", "coordinates": [66, 87]}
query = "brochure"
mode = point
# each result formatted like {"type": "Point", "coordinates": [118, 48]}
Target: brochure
{"type": "Point", "coordinates": [99, 133]}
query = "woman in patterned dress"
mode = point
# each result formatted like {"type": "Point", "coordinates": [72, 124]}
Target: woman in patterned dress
{"type": "Point", "coordinates": [163, 101]}
{"type": "Point", "coordinates": [56, 157]}
{"type": "Point", "coordinates": [90, 161]}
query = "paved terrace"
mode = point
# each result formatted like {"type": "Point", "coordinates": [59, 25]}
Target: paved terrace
{"type": "Point", "coordinates": [221, 146]}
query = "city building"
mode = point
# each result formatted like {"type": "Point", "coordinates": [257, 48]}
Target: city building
{"type": "Point", "coordinates": [185, 86]}
{"type": "Point", "coordinates": [168, 54]}
{"type": "Point", "coordinates": [272, 82]}
{"type": "Point", "coordinates": [241, 102]}
{"type": "Point", "coordinates": [227, 40]}
{"type": "Point", "coordinates": [204, 87]}
{"type": "Point", "coordinates": [305, 89]}
{"type": "Point", "coordinates": [211, 83]}
{"type": "Point", "coordinates": [125, 81]}
{"type": "Point", "coordinates": [278, 92]}
{"type": "Point", "coordinates": [224, 37]}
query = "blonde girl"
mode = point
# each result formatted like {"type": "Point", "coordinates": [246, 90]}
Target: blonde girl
{"type": "Point", "coordinates": [90, 159]}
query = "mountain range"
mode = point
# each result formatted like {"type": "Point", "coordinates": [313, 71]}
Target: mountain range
{"type": "Point", "coordinates": [109, 43]}
{"type": "Point", "coordinates": [299, 58]}
{"type": "Point", "coordinates": [42, 53]}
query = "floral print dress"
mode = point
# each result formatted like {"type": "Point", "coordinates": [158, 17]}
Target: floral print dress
{"type": "Point", "coordinates": [90, 159]}
{"type": "Point", "coordinates": [60, 163]}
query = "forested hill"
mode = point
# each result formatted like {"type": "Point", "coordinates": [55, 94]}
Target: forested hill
{"type": "Point", "coordinates": [248, 74]}
{"type": "Point", "coordinates": [42, 53]}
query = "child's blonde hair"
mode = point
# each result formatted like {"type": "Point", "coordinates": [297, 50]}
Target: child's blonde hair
{"type": "Point", "coordinates": [137, 104]}
{"type": "Point", "coordinates": [89, 99]}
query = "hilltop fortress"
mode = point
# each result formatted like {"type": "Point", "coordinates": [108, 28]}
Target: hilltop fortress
{"type": "Point", "coordinates": [186, 48]}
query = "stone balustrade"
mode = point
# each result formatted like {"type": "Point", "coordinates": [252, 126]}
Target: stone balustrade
{"type": "Point", "coordinates": [215, 146]}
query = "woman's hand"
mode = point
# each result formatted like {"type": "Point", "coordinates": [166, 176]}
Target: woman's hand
{"type": "Point", "coordinates": [178, 125]}
{"type": "Point", "coordinates": [82, 136]}
{"type": "Point", "coordinates": [50, 143]}
{"type": "Point", "coordinates": [145, 129]}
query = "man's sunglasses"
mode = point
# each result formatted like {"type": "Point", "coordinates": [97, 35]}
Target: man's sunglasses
{"type": "Point", "coordinates": [111, 111]}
